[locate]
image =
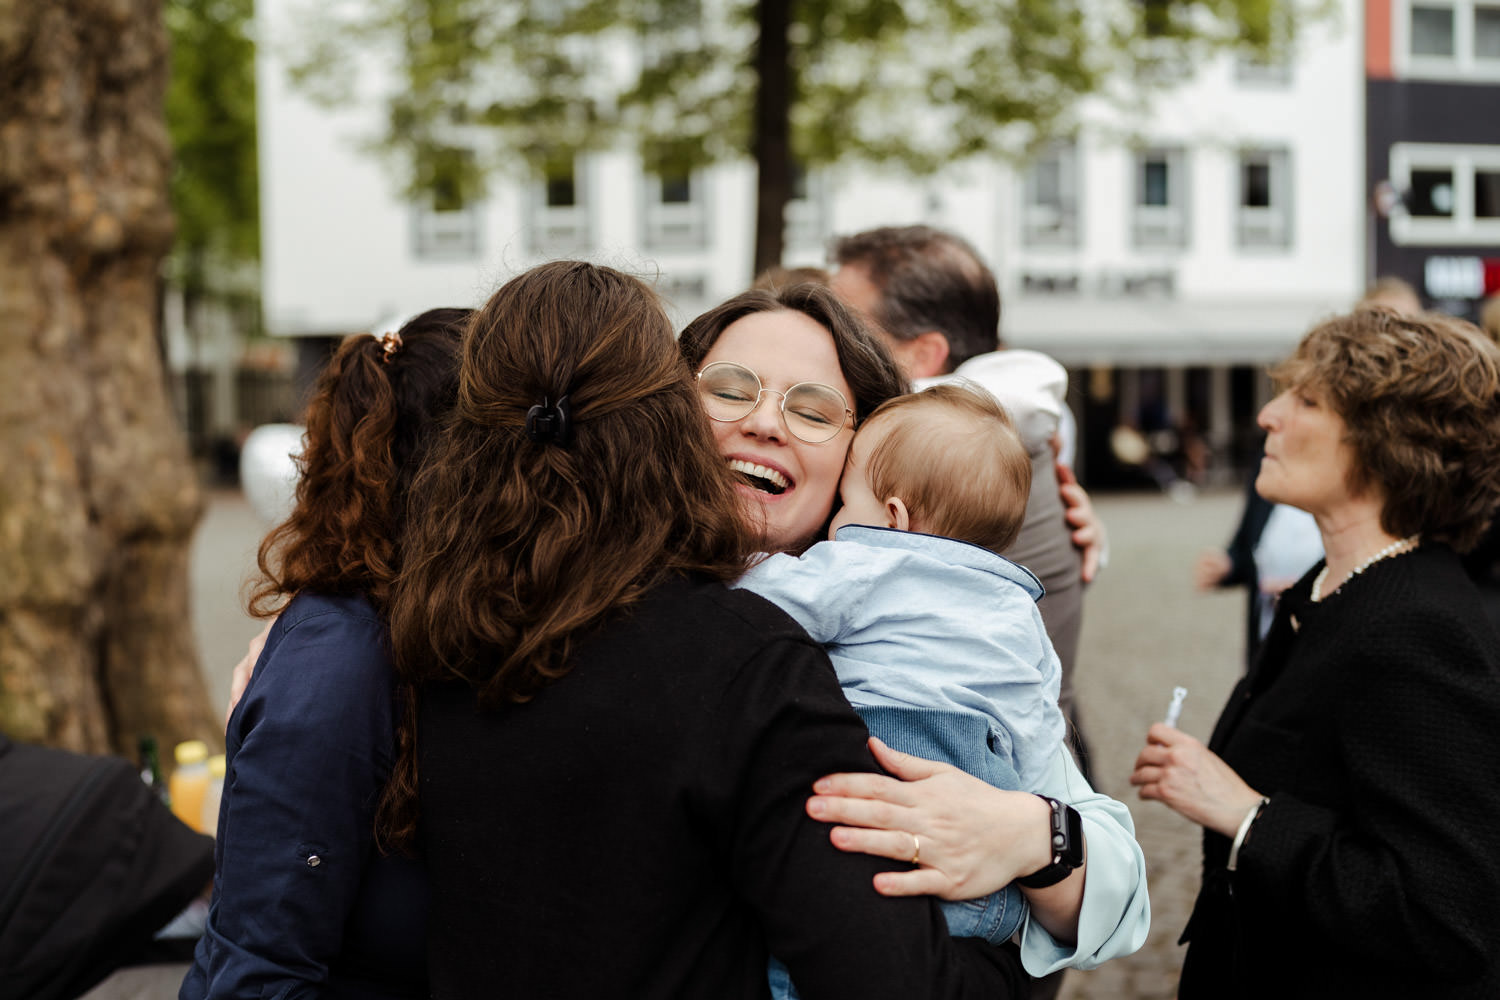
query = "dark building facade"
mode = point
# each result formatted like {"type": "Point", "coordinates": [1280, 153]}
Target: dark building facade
{"type": "Point", "coordinates": [1432, 118]}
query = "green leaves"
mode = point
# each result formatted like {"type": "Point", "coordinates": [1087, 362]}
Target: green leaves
{"type": "Point", "coordinates": [211, 117]}
{"type": "Point", "coordinates": [524, 84]}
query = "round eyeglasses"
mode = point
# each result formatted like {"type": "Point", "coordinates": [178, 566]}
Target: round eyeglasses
{"type": "Point", "coordinates": [813, 412]}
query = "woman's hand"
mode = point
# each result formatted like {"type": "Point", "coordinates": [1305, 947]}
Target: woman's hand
{"type": "Point", "coordinates": [1087, 530]}
{"type": "Point", "coordinates": [1192, 780]}
{"type": "Point", "coordinates": [1210, 568]}
{"type": "Point", "coordinates": [968, 837]}
{"type": "Point", "coordinates": [239, 679]}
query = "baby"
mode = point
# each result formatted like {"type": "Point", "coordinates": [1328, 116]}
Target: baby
{"type": "Point", "coordinates": [936, 638]}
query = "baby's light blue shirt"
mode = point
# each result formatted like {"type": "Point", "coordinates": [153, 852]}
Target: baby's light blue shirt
{"type": "Point", "coordinates": [921, 623]}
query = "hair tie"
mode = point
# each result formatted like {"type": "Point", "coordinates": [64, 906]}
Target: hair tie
{"type": "Point", "coordinates": [550, 423]}
{"type": "Point", "coordinates": [390, 343]}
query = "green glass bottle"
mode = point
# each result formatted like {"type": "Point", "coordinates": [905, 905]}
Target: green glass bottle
{"type": "Point", "coordinates": [151, 767]}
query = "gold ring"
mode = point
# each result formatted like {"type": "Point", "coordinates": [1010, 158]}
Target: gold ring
{"type": "Point", "coordinates": [916, 849]}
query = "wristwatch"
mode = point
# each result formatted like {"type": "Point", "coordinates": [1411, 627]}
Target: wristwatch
{"type": "Point", "coordinates": [1067, 846]}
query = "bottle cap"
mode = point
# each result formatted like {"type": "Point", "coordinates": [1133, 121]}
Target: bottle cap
{"type": "Point", "coordinates": [216, 766]}
{"type": "Point", "coordinates": [191, 752]}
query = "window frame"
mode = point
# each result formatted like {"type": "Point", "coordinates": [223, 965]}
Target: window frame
{"type": "Point", "coordinates": [1174, 219]}
{"type": "Point", "coordinates": [561, 229]}
{"type": "Point", "coordinates": [675, 225]}
{"type": "Point", "coordinates": [1463, 227]}
{"type": "Point", "coordinates": [807, 214]}
{"type": "Point", "coordinates": [1276, 219]}
{"type": "Point", "coordinates": [446, 234]}
{"type": "Point", "coordinates": [1465, 64]}
{"type": "Point", "coordinates": [1056, 226]}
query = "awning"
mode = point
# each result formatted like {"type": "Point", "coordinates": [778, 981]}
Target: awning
{"type": "Point", "coordinates": [1149, 332]}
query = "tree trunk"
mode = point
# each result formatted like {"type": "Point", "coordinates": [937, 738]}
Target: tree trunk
{"type": "Point", "coordinates": [771, 142]}
{"type": "Point", "coordinates": [98, 501]}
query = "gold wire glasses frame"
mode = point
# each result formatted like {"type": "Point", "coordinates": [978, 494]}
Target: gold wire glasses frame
{"type": "Point", "coordinates": [813, 412]}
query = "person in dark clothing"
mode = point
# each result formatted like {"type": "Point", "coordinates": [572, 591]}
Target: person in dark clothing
{"type": "Point", "coordinates": [614, 750]}
{"type": "Point", "coordinates": [1272, 547]}
{"type": "Point", "coordinates": [1345, 796]}
{"type": "Point", "coordinates": [1482, 563]}
{"type": "Point", "coordinates": [306, 903]}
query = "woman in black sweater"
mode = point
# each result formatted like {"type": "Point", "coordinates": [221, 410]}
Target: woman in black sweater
{"type": "Point", "coordinates": [1347, 793]}
{"type": "Point", "coordinates": [614, 750]}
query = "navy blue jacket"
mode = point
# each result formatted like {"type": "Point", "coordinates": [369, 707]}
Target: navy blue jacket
{"type": "Point", "coordinates": [304, 905]}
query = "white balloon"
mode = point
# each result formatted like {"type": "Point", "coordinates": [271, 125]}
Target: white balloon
{"type": "Point", "coordinates": [268, 469]}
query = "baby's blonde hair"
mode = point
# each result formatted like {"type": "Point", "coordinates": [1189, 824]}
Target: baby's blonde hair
{"type": "Point", "coordinates": [964, 475]}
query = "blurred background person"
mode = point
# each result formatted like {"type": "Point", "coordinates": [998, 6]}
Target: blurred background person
{"type": "Point", "coordinates": [1272, 547]}
{"type": "Point", "coordinates": [1395, 294]}
{"type": "Point", "coordinates": [937, 305]}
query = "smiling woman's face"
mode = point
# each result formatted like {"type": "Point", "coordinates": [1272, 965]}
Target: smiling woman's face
{"type": "Point", "coordinates": [787, 484]}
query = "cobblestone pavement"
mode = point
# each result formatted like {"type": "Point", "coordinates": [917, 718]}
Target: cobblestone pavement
{"type": "Point", "coordinates": [1145, 630]}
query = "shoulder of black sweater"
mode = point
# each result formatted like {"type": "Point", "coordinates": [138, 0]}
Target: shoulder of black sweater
{"type": "Point", "coordinates": [695, 596]}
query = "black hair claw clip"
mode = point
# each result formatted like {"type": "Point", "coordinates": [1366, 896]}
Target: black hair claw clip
{"type": "Point", "coordinates": [550, 423]}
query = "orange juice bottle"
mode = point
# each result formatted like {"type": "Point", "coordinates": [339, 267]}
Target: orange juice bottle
{"type": "Point", "coordinates": [189, 783]}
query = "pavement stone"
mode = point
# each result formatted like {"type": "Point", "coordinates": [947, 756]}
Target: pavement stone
{"type": "Point", "coordinates": [1145, 630]}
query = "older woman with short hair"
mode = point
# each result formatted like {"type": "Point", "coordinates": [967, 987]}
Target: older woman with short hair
{"type": "Point", "coordinates": [1346, 794]}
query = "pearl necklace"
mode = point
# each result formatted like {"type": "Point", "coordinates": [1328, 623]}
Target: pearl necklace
{"type": "Point", "coordinates": [1396, 548]}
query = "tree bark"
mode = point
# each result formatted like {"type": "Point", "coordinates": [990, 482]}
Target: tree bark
{"type": "Point", "coordinates": [98, 500]}
{"type": "Point", "coordinates": [771, 141]}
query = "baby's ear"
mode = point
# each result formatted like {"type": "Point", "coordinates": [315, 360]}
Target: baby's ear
{"type": "Point", "coordinates": [897, 516]}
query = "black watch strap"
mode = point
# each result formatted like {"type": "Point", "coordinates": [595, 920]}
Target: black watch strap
{"type": "Point", "coordinates": [1067, 846]}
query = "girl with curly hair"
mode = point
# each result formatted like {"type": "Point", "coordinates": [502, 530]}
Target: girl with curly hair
{"type": "Point", "coordinates": [308, 898]}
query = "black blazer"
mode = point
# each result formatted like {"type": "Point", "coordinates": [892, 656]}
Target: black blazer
{"type": "Point", "coordinates": [1370, 722]}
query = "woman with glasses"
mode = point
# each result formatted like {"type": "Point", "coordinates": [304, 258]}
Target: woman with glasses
{"type": "Point", "coordinates": [614, 748]}
{"type": "Point", "coordinates": [785, 376]}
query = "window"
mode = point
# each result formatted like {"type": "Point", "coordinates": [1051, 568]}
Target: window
{"type": "Point", "coordinates": [807, 212]}
{"type": "Point", "coordinates": [1429, 193]}
{"type": "Point", "coordinates": [559, 210]}
{"type": "Point", "coordinates": [1265, 202]}
{"type": "Point", "coordinates": [1049, 211]}
{"type": "Point", "coordinates": [444, 224]}
{"type": "Point", "coordinates": [675, 212]}
{"type": "Point", "coordinates": [561, 191]}
{"type": "Point", "coordinates": [1450, 194]}
{"type": "Point", "coordinates": [1274, 66]}
{"type": "Point", "coordinates": [1432, 31]}
{"type": "Point", "coordinates": [1160, 217]}
{"type": "Point", "coordinates": [1447, 39]}
{"type": "Point", "coordinates": [1487, 194]}
{"type": "Point", "coordinates": [1487, 33]}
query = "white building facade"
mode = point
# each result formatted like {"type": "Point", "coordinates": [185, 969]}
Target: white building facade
{"type": "Point", "coordinates": [1163, 259]}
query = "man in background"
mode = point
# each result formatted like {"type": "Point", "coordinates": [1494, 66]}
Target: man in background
{"type": "Point", "coordinates": [937, 305]}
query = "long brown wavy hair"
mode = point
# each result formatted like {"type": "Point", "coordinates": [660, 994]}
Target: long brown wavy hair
{"type": "Point", "coordinates": [373, 414]}
{"type": "Point", "coordinates": [369, 421]}
{"type": "Point", "coordinates": [516, 546]}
